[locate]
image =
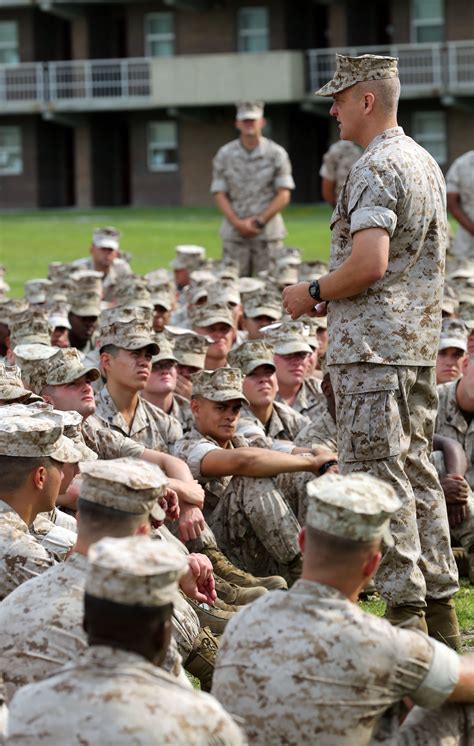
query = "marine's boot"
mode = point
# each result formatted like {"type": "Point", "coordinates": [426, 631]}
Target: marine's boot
{"type": "Point", "coordinates": [227, 570]}
{"type": "Point", "coordinates": [211, 617]}
{"type": "Point", "coordinates": [222, 606]}
{"type": "Point", "coordinates": [407, 615]}
{"type": "Point", "coordinates": [463, 562]}
{"type": "Point", "coordinates": [442, 621]}
{"type": "Point", "coordinates": [234, 594]}
{"type": "Point", "coordinates": [202, 659]}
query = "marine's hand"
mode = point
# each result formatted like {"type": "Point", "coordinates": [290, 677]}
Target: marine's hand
{"type": "Point", "coordinates": [297, 300]}
{"type": "Point", "coordinates": [198, 583]}
{"type": "Point", "coordinates": [191, 522]}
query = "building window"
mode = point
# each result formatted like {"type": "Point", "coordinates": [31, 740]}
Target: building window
{"type": "Point", "coordinates": [429, 130]}
{"type": "Point", "coordinates": [162, 146]}
{"type": "Point", "coordinates": [254, 29]}
{"type": "Point", "coordinates": [9, 43]}
{"type": "Point", "coordinates": [11, 158]}
{"type": "Point", "coordinates": [427, 20]}
{"type": "Point", "coordinates": [159, 34]}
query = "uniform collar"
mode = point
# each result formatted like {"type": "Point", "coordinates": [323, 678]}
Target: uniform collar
{"type": "Point", "coordinates": [385, 135]}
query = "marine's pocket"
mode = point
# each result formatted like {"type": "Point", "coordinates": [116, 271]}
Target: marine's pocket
{"type": "Point", "coordinates": [369, 425]}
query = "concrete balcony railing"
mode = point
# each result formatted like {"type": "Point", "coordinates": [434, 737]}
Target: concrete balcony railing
{"type": "Point", "coordinates": [185, 80]}
{"type": "Point", "coordinates": [425, 69]}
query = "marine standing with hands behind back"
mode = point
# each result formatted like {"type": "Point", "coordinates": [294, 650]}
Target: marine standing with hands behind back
{"type": "Point", "coordinates": [383, 296]}
{"type": "Point", "coordinates": [251, 182]}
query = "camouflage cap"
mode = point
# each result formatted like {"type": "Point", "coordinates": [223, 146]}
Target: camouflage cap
{"type": "Point", "coordinates": [10, 307]}
{"type": "Point", "coordinates": [222, 384]}
{"type": "Point", "coordinates": [250, 355]}
{"type": "Point", "coordinates": [166, 351]}
{"type": "Point", "coordinates": [30, 327]}
{"type": "Point", "coordinates": [249, 285]}
{"type": "Point", "coordinates": [106, 238]}
{"type": "Point", "coordinates": [355, 506]}
{"type": "Point", "coordinates": [202, 277]}
{"type": "Point", "coordinates": [285, 273]}
{"type": "Point", "coordinates": [226, 269]}
{"type": "Point", "coordinates": [188, 256]}
{"type": "Point", "coordinates": [58, 270]}
{"type": "Point", "coordinates": [352, 70]}
{"type": "Point", "coordinates": [66, 366]}
{"type": "Point", "coordinates": [309, 271]}
{"type": "Point", "coordinates": [11, 385]}
{"type": "Point", "coordinates": [36, 291]}
{"type": "Point", "coordinates": [249, 110]}
{"type": "Point", "coordinates": [86, 303]}
{"type": "Point", "coordinates": [128, 329]}
{"type": "Point", "coordinates": [133, 292]}
{"type": "Point", "coordinates": [287, 338]}
{"type": "Point", "coordinates": [58, 314]}
{"type": "Point", "coordinates": [127, 484]}
{"type": "Point", "coordinates": [466, 314]}
{"type": "Point", "coordinates": [264, 302]}
{"type": "Point", "coordinates": [135, 571]}
{"type": "Point", "coordinates": [190, 349]}
{"type": "Point", "coordinates": [69, 420]}
{"type": "Point", "coordinates": [224, 291]}
{"type": "Point", "coordinates": [28, 358]}
{"type": "Point", "coordinates": [32, 437]}
{"type": "Point", "coordinates": [211, 313]}
{"type": "Point", "coordinates": [158, 277]}
{"type": "Point", "coordinates": [162, 296]}
{"type": "Point", "coordinates": [454, 333]}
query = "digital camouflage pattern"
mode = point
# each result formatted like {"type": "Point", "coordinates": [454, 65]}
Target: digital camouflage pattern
{"type": "Point", "coordinates": [460, 180]}
{"type": "Point", "coordinates": [251, 179]}
{"type": "Point", "coordinates": [250, 355]}
{"type": "Point", "coordinates": [284, 424]}
{"type": "Point", "coordinates": [135, 571]}
{"type": "Point", "coordinates": [128, 329]}
{"type": "Point", "coordinates": [132, 292]}
{"type": "Point", "coordinates": [324, 671]}
{"type": "Point", "coordinates": [454, 333]}
{"type": "Point", "coordinates": [310, 400]}
{"type": "Point", "coordinates": [127, 484]}
{"type": "Point", "coordinates": [150, 427]}
{"type": "Point", "coordinates": [11, 385]}
{"type": "Point", "coordinates": [385, 419]}
{"type": "Point", "coordinates": [21, 555]}
{"type": "Point", "coordinates": [337, 162]}
{"type": "Point", "coordinates": [356, 506]}
{"type": "Point", "coordinates": [222, 384]}
{"type": "Point", "coordinates": [352, 70]}
{"type": "Point", "coordinates": [62, 367]}
{"type": "Point", "coordinates": [29, 327]}
{"type": "Point", "coordinates": [108, 443]}
{"type": "Point", "coordinates": [119, 270]}
{"type": "Point", "coordinates": [397, 186]}
{"type": "Point", "coordinates": [287, 337]}
{"type": "Point", "coordinates": [263, 302]}
{"type": "Point", "coordinates": [188, 256]}
{"type": "Point", "coordinates": [452, 423]}
{"type": "Point", "coordinates": [118, 693]}
{"type": "Point", "coordinates": [250, 517]}
{"type": "Point", "coordinates": [33, 437]}
{"type": "Point", "coordinates": [211, 313]}
{"type": "Point", "coordinates": [321, 432]}
{"type": "Point", "coordinates": [181, 411]}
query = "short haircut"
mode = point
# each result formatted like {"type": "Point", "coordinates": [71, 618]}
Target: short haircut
{"type": "Point", "coordinates": [336, 550]}
{"type": "Point", "coordinates": [121, 623]}
{"type": "Point", "coordinates": [110, 350]}
{"type": "Point", "coordinates": [387, 92]}
{"type": "Point", "coordinates": [99, 520]}
{"type": "Point", "coordinates": [16, 469]}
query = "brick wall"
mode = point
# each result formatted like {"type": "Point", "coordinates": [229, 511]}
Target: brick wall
{"type": "Point", "coordinates": [150, 187]}
{"type": "Point", "coordinates": [22, 190]}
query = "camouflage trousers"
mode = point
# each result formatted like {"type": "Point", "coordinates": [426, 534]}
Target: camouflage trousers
{"type": "Point", "coordinates": [186, 626]}
{"type": "Point", "coordinates": [254, 526]}
{"type": "Point", "coordinates": [449, 725]}
{"type": "Point", "coordinates": [385, 420]}
{"type": "Point", "coordinates": [253, 254]}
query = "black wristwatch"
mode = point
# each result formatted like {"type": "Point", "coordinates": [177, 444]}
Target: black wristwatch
{"type": "Point", "coordinates": [260, 225]}
{"type": "Point", "coordinates": [314, 291]}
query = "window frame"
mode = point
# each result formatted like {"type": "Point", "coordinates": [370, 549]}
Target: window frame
{"type": "Point", "coordinates": [427, 139]}
{"type": "Point", "coordinates": [9, 149]}
{"type": "Point", "coordinates": [164, 167]}
{"type": "Point", "coordinates": [244, 34]}
{"type": "Point", "coordinates": [434, 22]}
{"type": "Point", "coordinates": [5, 45]}
{"type": "Point", "coordinates": [150, 38]}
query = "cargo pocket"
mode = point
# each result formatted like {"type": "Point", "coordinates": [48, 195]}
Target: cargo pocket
{"type": "Point", "coordinates": [369, 426]}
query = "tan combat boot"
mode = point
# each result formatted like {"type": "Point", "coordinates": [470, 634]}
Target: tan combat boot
{"type": "Point", "coordinates": [210, 616]}
{"type": "Point", "coordinates": [442, 621]}
{"type": "Point", "coordinates": [234, 594]}
{"type": "Point", "coordinates": [407, 615]}
{"type": "Point", "coordinates": [225, 569]}
{"type": "Point", "coordinates": [222, 606]}
{"type": "Point", "coordinates": [202, 659]}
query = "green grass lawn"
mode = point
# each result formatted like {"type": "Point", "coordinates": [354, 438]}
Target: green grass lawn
{"type": "Point", "coordinates": [30, 240]}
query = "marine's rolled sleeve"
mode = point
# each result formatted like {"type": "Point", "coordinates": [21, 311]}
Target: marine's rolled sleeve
{"type": "Point", "coordinates": [453, 184]}
{"type": "Point", "coordinates": [196, 454]}
{"type": "Point", "coordinates": [373, 202]}
{"type": "Point", "coordinates": [373, 217]}
{"type": "Point", "coordinates": [283, 178]}
{"type": "Point", "coordinates": [441, 678]}
{"type": "Point", "coordinates": [219, 182]}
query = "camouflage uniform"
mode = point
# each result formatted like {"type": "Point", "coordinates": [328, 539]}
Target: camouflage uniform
{"type": "Point", "coordinates": [251, 179]}
{"type": "Point", "coordinates": [109, 443]}
{"type": "Point", "coordinates": [310, 400]}
{"type": "Point", "coordinates": [151, 427]}
{"type": "Point", "coordinates": [304, 678]}
{"type": "Point", "coordinates": [116, 691]}
{"type": "Point", "coordinates": [338, 161]}
{"type": "Point", "coordinates": [451, 422]}
{"type": "Point", "coordinates": [251, 519]}
{"type": "Point", "coordinates": [460, 180]}
{"type": "Point", "coordinates": [382, 349]}
{"type": "Point", "coordinates": [322, 432]}
{"type": "Point", "coordinates": [284, 425]}
{"type": "Point", "coordinates": [181, 411]}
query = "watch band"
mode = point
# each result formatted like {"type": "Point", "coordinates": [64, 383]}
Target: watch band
{"type": "Point", "coordinates": [259, 223]}
{"type": "Point", "coordinates": [314, 291]}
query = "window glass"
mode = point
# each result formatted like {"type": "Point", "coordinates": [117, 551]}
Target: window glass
{"type": "Point", "coordinates": [429, 130]}
{"type": "Point", "coordinates": [162, 146]}
{"type": "Point", "coordinates": [9, 54]}
{"type": "Point", "coordinates": [253, 29]}
{"type": "Point", "coordinates": [159, 35]}
{"type": "Point", "coordinates": [11, 159]}
{"type": "Point", "coordinates": [427, 20]}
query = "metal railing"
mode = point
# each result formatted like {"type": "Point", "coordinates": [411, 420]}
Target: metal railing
{"type": "Point", "coordinates": [422, 67]}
